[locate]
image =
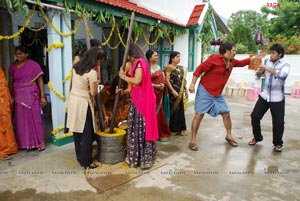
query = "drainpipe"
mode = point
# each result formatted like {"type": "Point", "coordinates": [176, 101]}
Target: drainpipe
{"type": "Point", "coordinates": [47, 5]}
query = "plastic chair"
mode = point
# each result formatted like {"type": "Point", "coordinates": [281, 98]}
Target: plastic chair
{"type": "Point", "coordinates": [243, 86]}
{"type": "Point", "coordinates": [252, 93]}
{"type": "Point", "coordinates": [295, 89]}
{"type": "Point", "coordinates": [231, 86]}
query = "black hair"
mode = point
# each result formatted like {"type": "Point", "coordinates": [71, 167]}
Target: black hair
{"type": "Point", "coordinates": [88, 60]}
{"type": "Point", "coordinates": [149, 54]}
{"type": "Point", "coordinates": [172, 55]}
{"type": "Point", "coordinates": [278, 48]}
{"type": "Point", "coordinates": [95, 42]}
{"type": "Point", "coordinates": [115, 83]}
{"type": "Point", "coordinates": [24, 49]}
{"type": "Point", "coordinates": [135, 51]}
{"type": "Point", "coordinates": [226, 46]}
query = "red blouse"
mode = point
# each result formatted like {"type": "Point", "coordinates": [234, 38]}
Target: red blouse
{"type": "Point", "coordinates": [215, 72]}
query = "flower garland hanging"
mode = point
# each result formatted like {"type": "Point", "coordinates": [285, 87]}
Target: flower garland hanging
{"type": "Point", "coordinates": [110, 35]}
{"type": "Point", "coordinates": [113, 47]}
{"type": "Point", "coordinates": [35, 40]}
{"type": "Point", "coordinates": [148, 42]}
{"type": "Point", "coordinates": [21, 29]}
{"type": "Point", "coordinates": [68, 76]}
{"type": "Point", "coordinates": [117, 45]}
{"type": "Point", "coordinates": [56, 30]}
{"type": "Point", "coordinates": [137, 38]}
{"type": "Point", "coordinates": [54, 45]}
{"type": "Point", "coordinates": [55, 91]}
{"type": "Point", "coordinates": [169, 39]}
{"type": "Point", "coordinates": [120, 37]}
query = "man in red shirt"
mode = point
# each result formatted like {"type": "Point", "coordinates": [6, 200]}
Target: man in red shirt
{"type": "Point", "coordinates": [209, 99]}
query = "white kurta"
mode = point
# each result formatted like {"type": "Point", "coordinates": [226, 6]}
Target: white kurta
{"type": "Point", "coordinates": [79, 99]}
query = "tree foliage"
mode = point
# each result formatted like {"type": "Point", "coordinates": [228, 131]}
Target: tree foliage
{"type": "Point", "coordinates": [251, 18]}
{"type": "Point", "coordinates": [284, 20]}
{"type": "Point", "coordinates": [206, 33]}
{"type": "Point", "coordinates": [280, 24]}
{"type": "Point", "coordinates": [242, 34]}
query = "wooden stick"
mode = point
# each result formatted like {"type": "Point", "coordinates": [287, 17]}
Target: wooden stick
{"type": "Point", "coordinates": [111, 130]}
{"type": "Point", "coordinates": [86, 33]}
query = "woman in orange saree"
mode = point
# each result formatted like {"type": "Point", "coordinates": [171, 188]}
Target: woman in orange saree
{"type": "Point", "coordinates": [8, 143]}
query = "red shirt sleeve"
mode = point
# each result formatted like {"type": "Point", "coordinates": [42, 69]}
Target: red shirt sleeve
{"type": "Point", "coordinates": [240, 63]}
{"type": "Point", "coordinates": [205, 66]}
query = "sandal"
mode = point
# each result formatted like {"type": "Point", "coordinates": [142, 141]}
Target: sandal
{"type": "Point", "coordinates": [232, 142]}
{"type": "Point", "coordinates": [93, 166]}
{"type": "Point", "coordinates": [253, 142]}
{"type": "Point", "coordinates": [165, 139]}
{"type": "Point", "coordinates": [278, 148]}
{"type": "Point", "coordinates": [183, 133]}
{"type": "Point", "coordinates": [41, 148]}
{"type": "Point", "coordinates": [193, 146]}
{"type": "Point", "coordinates": [5, 157]}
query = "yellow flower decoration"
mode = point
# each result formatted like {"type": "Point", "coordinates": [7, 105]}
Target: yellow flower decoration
{"type": "Point", "coordinates": [55, 131]}
{"type": "Point", "coordinates": [120, 37]}
{"type": "Point", "coordinates": [58, 130]}
{"type": "Point", "coordinates": [110, 35]}
{"type": "Point", "coordinates": [21, 29]}
{"type": "Point", "coordinates": [64, 136]}
{"type": "Point", "coordinates": [54, 91]}
{"type": "Point", "coordinates": [68, 76]}
{"type": "Point", "coordinates": [148, 42]}
{"type": "Point", "coordinates": [169, 39]}
{"type": "Point", "coordinates": [56, 30]}
{"type": "Point", "coordinates": [54, 45]}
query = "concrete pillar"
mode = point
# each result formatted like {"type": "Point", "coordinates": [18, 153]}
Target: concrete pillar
{"type": "Point", "coordinates": [56, 65]}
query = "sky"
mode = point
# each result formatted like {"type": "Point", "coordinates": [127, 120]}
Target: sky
{"type": "Point", "coordinates": [226, 7]}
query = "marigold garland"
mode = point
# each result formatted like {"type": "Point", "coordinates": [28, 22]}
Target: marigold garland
{"type": "Point", "coordinates": [58, 130]}
{"type": "Point", "coordinates": [148, 42]}
{"type": "Point", "coordinates": [110, 35]}
{"type": "Point", "coordinates": [68, 76]}
{"type": "Point", "coordinates": [21, 29]}
{"type": "Point", "coordinates": [55, 131]}
{"type": "Point", "coordinates": [56, 30]}
{"type": "Point", "coordinates": [120, 37]}
{"type": "Point", "coordinates": [64, 136]}
{"type": "Point", "coordinates": [54, 45]}
{"type": "Point", "coordinates": [54, 91]}
{"type": "Point", "coordinates": [169, 38]}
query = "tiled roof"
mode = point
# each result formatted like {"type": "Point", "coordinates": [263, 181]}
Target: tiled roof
{"type": "Point", "coordinates": [194, 18]}
{"type": "Point", "coordinates": [125, 4]}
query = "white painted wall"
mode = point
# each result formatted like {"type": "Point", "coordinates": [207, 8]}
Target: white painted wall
{"type": "Point", "coordinates": [181, 45]}
{"type": "Point", "coordinates": [170, 8]}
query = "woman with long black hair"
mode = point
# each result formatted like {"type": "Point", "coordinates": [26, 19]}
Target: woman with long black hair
{"type": "Point", "coordinates": [81, 118]}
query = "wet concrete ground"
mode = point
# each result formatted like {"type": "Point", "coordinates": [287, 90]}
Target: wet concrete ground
{"type": "Point", "coordinates": [216, 172]}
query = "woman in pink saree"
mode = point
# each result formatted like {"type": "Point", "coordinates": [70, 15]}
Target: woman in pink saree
{"type": "Point", "coordinates": [27, 89]}
{"type": "Point", "coordinates": [142, 129]}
